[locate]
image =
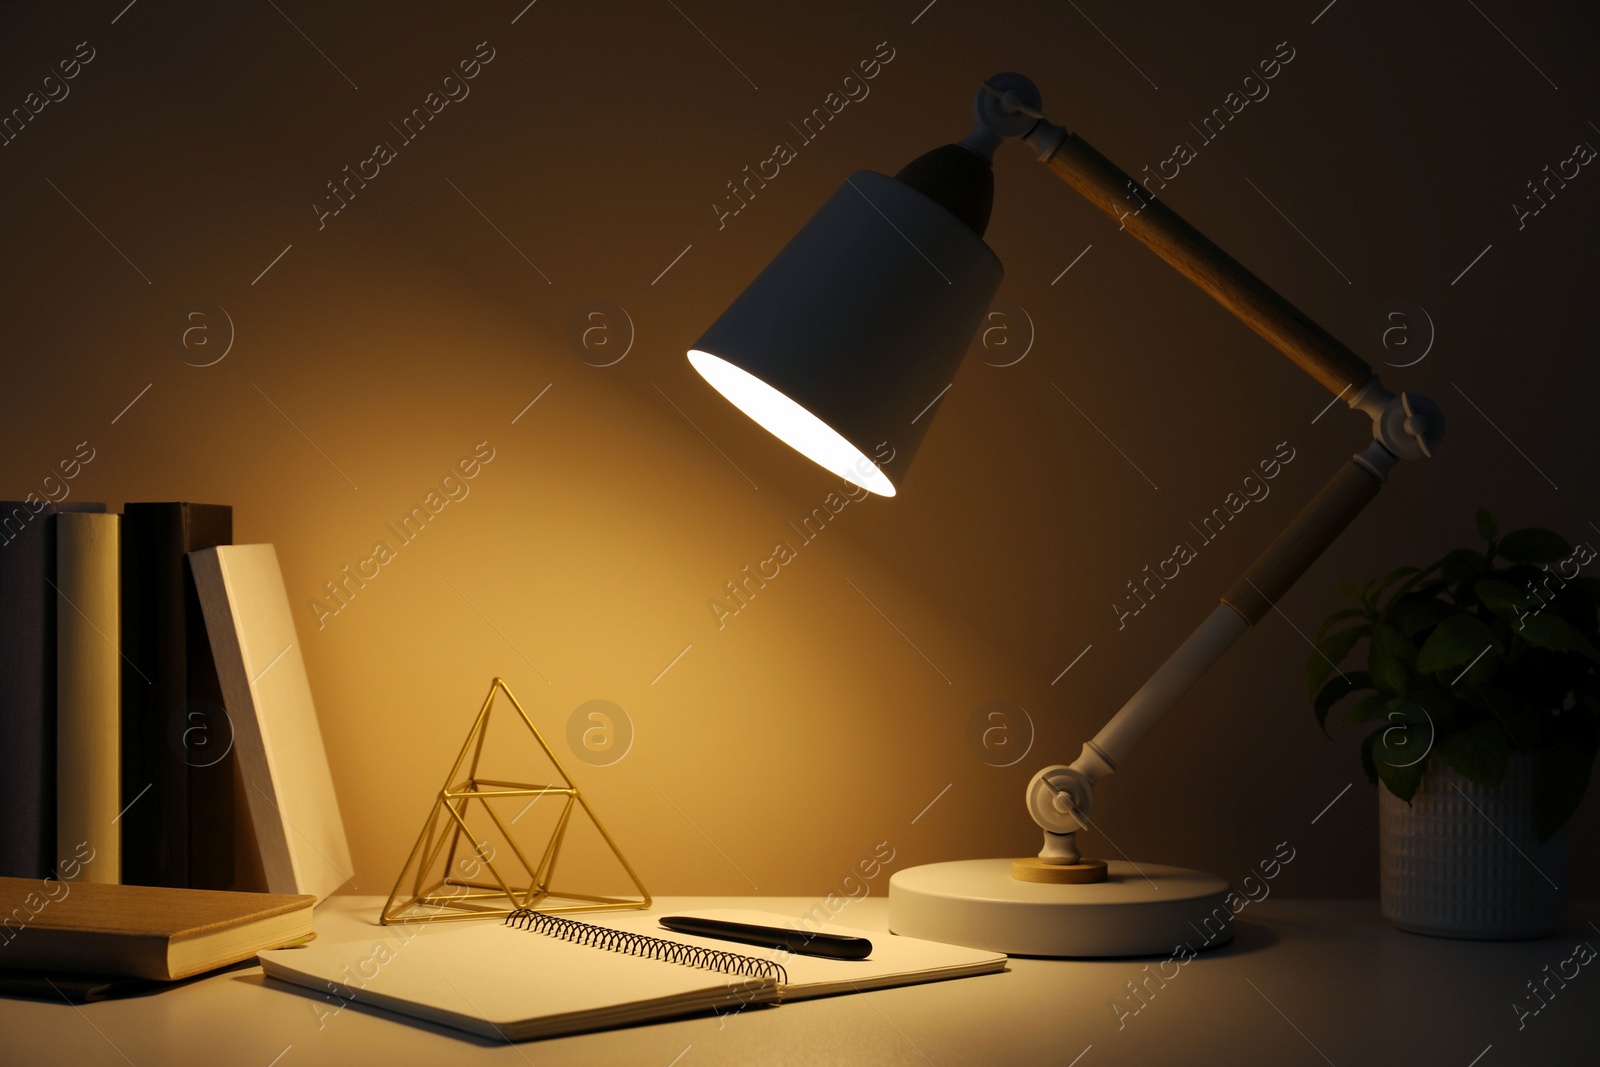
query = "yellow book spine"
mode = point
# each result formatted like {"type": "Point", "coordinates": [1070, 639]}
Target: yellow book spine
{"type": "Point", "coordinates": [88, 696]}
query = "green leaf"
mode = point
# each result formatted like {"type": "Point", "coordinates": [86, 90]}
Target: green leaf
{"type": "Point", "coordinates": [1488, 525]}
{"type": "Point", "coordinates": [1415, 580]}
{"type": "Point", "coordinates": [1329, 652]}
{"type": "Point", "coordinates": [1548, 630]}
{"type": "Point", "coordinates": [1560, 777]}
{"type": "Point", "coordinates": [1412, 615]}
{"type": "Point", "coordinates": [1504, 707]}
{"type": "Point", "coordinates": [1379, 585]}
{"type": "Point", "coordinates": [1355, 590]}
{"type": "Point", "coordinates": [1399, 759]}
{"type": "Point", "coordinates": [1338, 617]}
{"type": "Point", "coordinates": [1367, 766]}
{"type": "Point", "coordinates": [1458, 640]}
{"type": "Point", "coordinates": [1370, 707]}
{"type": "Point", "coordinates": [1390, 660]}
{"type": "Point", "coordinates": [1435, 588]}
{"type": "Point", "coordinates": [1534, 545]}
{"type": "Point", "coordinates": [1479, 752]}
{"type": "Point", "coordinates": [1446, 711]}
{"type": "Point", "coordinates": [1462, 565]}
{"type": "Point", "coordinates": [1335, 691]}
{"type": "Point", "coordinates": [1502, 598]}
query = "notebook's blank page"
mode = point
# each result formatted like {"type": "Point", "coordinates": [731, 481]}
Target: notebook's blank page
{"type": "Point", "coordinates": [500, 981]}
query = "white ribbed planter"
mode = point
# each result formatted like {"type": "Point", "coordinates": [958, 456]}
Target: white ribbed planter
{"type": "Point", "coordinates": [1462, 860]}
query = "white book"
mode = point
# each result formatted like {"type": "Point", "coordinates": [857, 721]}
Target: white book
{"type": "Point", "coordinates": [268, 698]}
{"type": "Point", "coordinates": [88, 695]}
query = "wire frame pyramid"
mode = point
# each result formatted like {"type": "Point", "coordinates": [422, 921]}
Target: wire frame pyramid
{"type": "Point", "coordinates": [454, 872]}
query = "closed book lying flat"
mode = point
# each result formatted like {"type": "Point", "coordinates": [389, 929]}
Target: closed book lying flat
{"type": "Point", "coordinates": [73, 988]}
{"type": "Point", "coordinates": [141, 931]}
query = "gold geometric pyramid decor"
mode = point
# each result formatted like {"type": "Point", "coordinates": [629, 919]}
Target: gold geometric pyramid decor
{"type": "Point", "coordinates": [468, 862]}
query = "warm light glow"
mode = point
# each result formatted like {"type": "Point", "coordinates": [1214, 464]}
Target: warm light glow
{"type": "Point", "coordinates": [791, 423]}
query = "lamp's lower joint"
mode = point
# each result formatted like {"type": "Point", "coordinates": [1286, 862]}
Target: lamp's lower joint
{"type": "Point", "coordinates": [1376, 461]}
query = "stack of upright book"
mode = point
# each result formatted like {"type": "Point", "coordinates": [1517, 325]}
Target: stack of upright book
{"type": "Point", "coordinates": [116, 759]}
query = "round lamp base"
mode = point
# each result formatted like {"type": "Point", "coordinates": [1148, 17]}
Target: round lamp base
{"type": "Point", "coordinates": [1143, 910]}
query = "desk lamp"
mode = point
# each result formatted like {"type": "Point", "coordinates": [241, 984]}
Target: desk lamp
{"type": "Point", "coordinates": [847, 339]}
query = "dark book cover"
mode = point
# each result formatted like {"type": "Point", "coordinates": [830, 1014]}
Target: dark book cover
{"type": "Point", "coordinates": [27, 691]}
{"type": "Point", "coordinates": [28, 686]}
{"type": "Point", "coordinates": [177, 759]}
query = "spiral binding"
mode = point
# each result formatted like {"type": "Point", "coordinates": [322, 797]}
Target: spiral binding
{"type": "Point", "coordinates": [656, 948]}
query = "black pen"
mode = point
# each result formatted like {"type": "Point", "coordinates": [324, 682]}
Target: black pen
{"type": "Point", "coordinates": [805, 942]}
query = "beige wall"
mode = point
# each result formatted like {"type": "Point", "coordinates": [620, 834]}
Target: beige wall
{"type": "Point", "coordinates": [784, 746]}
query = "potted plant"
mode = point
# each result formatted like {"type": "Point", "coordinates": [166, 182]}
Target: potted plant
{"type": "Point", "coordinates": [1481, 675]}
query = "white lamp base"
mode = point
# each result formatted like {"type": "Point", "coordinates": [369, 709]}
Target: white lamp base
{"type": "Point", "coordinates": [1143, 910]}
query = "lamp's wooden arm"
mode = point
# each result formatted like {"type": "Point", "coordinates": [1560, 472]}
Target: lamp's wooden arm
{"type": "Point", "coordinates": [1060, 797]}
{"type": "Point", "coordinates": [1194, 256]}
{"type": "Point", "coordinates": [1260, 307]}
{"type": "Point", "coordinates": [1293, 551]}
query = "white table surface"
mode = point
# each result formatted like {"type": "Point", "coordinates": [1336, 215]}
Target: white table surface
{"type": "Point", "coordinates": [1305, 982]}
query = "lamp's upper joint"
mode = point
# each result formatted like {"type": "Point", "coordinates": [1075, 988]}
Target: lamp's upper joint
{"type": "Point", "coordinates": [1008, 105]}
{"type": "Point", "coordinates": [1015, 99]}
{"type": "Point", "coordinates": [1408, 425]}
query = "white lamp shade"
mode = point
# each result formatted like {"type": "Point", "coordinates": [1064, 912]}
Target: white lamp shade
{"type": "Point", "coordinates": [843, 344]}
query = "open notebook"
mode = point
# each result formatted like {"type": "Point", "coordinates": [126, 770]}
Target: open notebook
{"type": "Point", "coordinates": [552, 975]}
